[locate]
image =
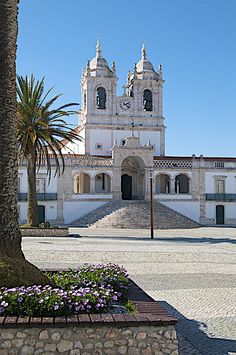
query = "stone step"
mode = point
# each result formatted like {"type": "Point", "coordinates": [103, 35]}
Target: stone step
{"type": "Point", "coordinates": [135, 214]}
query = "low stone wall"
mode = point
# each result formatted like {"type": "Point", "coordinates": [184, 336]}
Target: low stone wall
{"type": "Point", "coordinates": [139, 340]}
{"type": "Point", "coordinates": [44, 232]}
{"type": "Point", "coordinates": [151, 330]}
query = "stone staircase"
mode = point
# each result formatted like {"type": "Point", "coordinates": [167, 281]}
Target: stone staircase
{"type": "Point", "coordinates": [135, 214]}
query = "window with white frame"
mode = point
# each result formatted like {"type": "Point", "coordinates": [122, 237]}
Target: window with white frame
{"type": "Point", "coordinates": [220, 184]}
{"type": "Point", "coordinates": [40, 185]}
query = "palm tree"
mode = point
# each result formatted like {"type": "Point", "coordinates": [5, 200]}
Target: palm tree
{"type": "Point", "coordinates": [15, 270]}
{"type": "Point", "coordinates": [40, 134]}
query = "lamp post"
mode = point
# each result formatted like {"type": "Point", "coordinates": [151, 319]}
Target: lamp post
{"type": "Point", "coordinates": [151, 203]}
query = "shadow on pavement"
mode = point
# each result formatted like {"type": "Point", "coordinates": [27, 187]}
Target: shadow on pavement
{"type": "Point", "coordinates": [198, 240]}
{"type": "Point", "coordinates": [162, 239]}
{"type": "Point", "coordinates": [193, 340]}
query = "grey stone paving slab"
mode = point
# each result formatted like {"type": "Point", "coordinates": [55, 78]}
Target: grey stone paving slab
{"type": "Point", "coordinates": [185, 281]}
{"type": "Point", "coordinates": [192, 272]}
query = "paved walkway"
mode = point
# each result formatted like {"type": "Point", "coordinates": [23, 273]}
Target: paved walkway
{"type": "Point", "coordinates": [192, 272]}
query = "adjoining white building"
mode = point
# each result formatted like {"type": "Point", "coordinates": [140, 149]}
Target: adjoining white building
{"type": "Point", "coordinates": [123, 143]}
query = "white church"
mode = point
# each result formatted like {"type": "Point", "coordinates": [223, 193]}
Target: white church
{"type": "Point", "coordinates": [109, 173]}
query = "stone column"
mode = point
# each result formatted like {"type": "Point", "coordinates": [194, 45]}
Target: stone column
{"type": "Point", "coordinates": [92, 185]}
{"type": "Point", "coordinates": [116, 184]}
{"type": "Point", "coordinates": [172, 186]}
{"type": "Point", "coordinates": [60, 199]}
{"type": "Point", "coordinates": [195, 178]}
{"type": "Point", "coordinates": [202, 196]}
{"type": "Point", "coordinates": [162, 141]}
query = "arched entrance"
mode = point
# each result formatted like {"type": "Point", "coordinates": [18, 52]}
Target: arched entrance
{"type": "Point", "coordinates": [132, 178]}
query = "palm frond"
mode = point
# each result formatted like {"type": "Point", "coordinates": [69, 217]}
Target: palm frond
{"type": "Point", "coordinates": [40, 127]}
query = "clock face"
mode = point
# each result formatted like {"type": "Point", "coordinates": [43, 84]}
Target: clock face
{"type": "Point", "coordinates": [125, 104]}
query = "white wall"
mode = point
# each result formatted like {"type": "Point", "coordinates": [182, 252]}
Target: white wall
{"type": "Point", "coordinates": [190, 209]}
{"type": "Point", "coordinates": [76, 209]}
{"type": "Point", "coordinates": [50, 210]}
{"type": "Point", "coordinates": [230, 181]}
{"type": "Point", "coordinates": [49, 188]}
{"type": "Point", "coordinates": [154, 138]}
{"type": "Point", "coordinates": [107, 138]}
{"type": "Point", "coordinates": [230, 209]}
{"type": "Point", "coordinates": [101, 136]}
{"type": "Point", "coordinates": [77, 147]}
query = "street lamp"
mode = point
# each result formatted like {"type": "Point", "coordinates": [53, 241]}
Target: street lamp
{"type": "Point", "coordinates": [151, 203]}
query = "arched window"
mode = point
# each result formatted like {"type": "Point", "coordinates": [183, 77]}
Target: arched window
{"type": "Point", "coordinates": [82, 184]}
{"type": "Point", "coordinates": [163, 184]}
{"type": "Point", "coordinates": [102, 183]}
{"type": "Point", "coordinates": [181, 184]}
{"type": "Point", "coordinates": [101, 98]}
{"type": "Point", "coordinates": [147, 100]}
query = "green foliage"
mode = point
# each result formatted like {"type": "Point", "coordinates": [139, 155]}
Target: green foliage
{"type": "Point", "coordinates": [45, 224]}
{"type": "Point", "coordinates": [41, 134]}
{"type": "Point", "coordinates": [129, 306]}
{"type": "Point", "coordinates": [41, 128]}
{"type": "Point", "coordinates": [110, 275]}
{"type": "Point", "coordinates": [91, 289]}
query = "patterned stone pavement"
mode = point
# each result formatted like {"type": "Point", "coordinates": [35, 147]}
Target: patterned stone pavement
{"type": "Point", "coordinates": [192, 272]}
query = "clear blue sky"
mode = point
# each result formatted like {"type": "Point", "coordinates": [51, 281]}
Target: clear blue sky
{"type": "Point", "coordinates": [194, 40]}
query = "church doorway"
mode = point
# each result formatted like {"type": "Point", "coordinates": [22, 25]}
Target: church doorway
{"type": "Point", "coordinates": [132, 178]}
{"type": "Point", "coordinates": [126, 187]}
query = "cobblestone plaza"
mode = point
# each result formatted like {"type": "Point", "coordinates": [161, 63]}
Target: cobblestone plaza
{"type": "Point", "coordinates": [192, 273]}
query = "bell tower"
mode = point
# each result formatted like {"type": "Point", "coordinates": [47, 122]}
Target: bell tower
{"type": "Point", "coordinates": [105, 117]}
{"type": "Point", "coordinates": [145, 86]}
{"type": "Point", "coordinates": [98, 86]}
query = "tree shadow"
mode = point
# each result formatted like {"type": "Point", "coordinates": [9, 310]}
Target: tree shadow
{"type": "Point", "coordinates": [197, 240]}
{"type": "Point", "coordinates": [192, 338]}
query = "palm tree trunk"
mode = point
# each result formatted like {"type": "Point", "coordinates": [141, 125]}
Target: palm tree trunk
{"type": "Point", "coordinates": [15, 270]}
{"type": "Point", "coordinates": [9, 230]}
{"type": "Point", "coordinates": [32, 213]}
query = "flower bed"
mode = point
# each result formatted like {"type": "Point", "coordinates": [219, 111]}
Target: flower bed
{"type": "Point", "coordinates": [151, 330]}
{"type": "Point", "coordinates": [90, 289]}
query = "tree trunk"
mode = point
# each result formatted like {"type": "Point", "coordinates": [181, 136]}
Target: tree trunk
{"type": "Point", "coordinates": [32, 213]}
{"type": "Point", "coordinates": [14, 269]}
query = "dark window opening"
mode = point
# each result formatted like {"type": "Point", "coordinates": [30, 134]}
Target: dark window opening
{"type": "Point", "coordinates": [101, 98]}
{"type": "Point", "coordinates": [181, 184]}
{"type": "Point", "coordinates": [147, 100]}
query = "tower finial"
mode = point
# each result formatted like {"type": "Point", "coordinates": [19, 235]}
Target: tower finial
{"type": "Point", "coordinates": [114, 68]}
{"type": "Point", "coordinates": [88, 68]}
{"type": "Point", "coordinates": [98, 48]}
{"type": "Point", "coordinates": [143, 52]}
{"type": "Point", "coordinates": [135, 71]}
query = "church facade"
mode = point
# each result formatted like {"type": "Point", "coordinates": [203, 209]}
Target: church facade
{"type": "Point", "coordinates": [122, 153]}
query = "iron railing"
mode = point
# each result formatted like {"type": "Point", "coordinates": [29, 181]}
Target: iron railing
{"type": "Point", "coordinates": [51, 196]}
{"type": "Point", "coordinates": [220, 197]}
